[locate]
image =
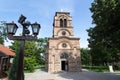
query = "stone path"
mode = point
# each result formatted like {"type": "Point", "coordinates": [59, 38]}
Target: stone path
{"type": "Point", "coordinates": [85, 75]}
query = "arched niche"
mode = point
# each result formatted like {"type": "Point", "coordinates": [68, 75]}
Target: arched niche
{"type": "Point", "coordinates": [64, 55]}
{"type": "Point", "coordinates": [63, 32]}
{"type": "Point", "coordinates": [64, 45]}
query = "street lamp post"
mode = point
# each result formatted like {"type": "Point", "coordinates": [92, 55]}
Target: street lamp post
{"type": "Point", "coordinates": [11, 30]}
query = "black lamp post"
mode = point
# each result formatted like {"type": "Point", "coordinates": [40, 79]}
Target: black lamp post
{"type": "Point", "coordinates": [11, 30]}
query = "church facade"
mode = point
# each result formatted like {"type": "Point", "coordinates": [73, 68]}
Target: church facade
{"type": "Point", "coordinates": [63, 49]}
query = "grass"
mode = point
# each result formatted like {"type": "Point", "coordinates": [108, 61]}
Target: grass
{"type": "Point", "coordinates": [117, 71]}
{"type": "Point", "coordinates": [98, 68]}
{"type": "Point", "coordinates": [39, 66]}
{"type": "Point", "coordinates": [36, 67]}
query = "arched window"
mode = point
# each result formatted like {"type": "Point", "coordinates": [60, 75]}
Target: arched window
{"type": "Point", "coordinates": [64, 56]}
{"type": "Point", "coordinates": [61, 23]}
{"type": "Point", "coordinates": [65, 23]}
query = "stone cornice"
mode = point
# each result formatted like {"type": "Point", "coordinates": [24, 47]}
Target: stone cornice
{"type": "Point", "coordinates": [61, 37]}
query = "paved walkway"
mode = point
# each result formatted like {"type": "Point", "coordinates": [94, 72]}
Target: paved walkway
{"type": "Point", "coordinates": [85, 75]}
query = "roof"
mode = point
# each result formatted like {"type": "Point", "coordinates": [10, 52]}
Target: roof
{"type": "Point", "coordinates": [62, 13]}
{"type": "Point", "coordinates": [6, 51]}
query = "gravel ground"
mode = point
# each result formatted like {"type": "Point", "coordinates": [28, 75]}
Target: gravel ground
{"type": "Point", "coordinates": [84, 75]}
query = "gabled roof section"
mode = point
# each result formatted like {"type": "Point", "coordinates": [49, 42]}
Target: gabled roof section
{"type": "Point", "coordinates": [6, 51]}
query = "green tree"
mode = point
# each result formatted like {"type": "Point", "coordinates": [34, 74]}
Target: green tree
{"type": "Point", "coordinates": [40, 50]}
{"type": "Point", "coordinates": [13, 70]}
{"type": "Point", "coordinates": [29, 56]}
{"type": "Point", "coordinates": [1, 40]}
{"type": "Point", "coordinates": [32, 52]}
{"type": "Point", "coordinates": [3, 34]}
{"type": "Point", "coordinates": [85, 56]}
{"type": "Point", "coordinates": [104, 38]}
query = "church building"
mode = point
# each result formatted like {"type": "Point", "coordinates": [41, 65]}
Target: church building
{"type": "Point", "coordinates": [63, 49]}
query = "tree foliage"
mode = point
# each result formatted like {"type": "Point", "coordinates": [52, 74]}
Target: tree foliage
{"type": "Point", "coordinates": [29, 56]}
{"type": "Point", "coordinates": [85, 56]}
{"type": "Point", "coordinates": [1, 40]}
{"type": "Point", "coordinates": [40, 53]}
{"type": "Point", "coordinates": [32, 52]}
{"type": "Point", "coordinates": [13, 70]}
{"type": "Point", "coordinates": [3, 31]}
{"type": "Point", "coordinates": [104, 40]}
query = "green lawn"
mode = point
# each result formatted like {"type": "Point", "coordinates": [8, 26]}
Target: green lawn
{"type": "Point", "coordinates": [36, 67]}
{"type": "Point", "coordinates": [39, 66]}
{"type": "Point", "coordinates": [98, 68]}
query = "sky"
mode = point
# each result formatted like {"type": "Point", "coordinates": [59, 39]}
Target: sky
{"type": "Point", "coordinates": [43, 12]}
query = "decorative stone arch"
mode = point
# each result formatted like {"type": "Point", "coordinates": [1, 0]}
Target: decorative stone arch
{"type": "Point", "coordinates": [67, 43]}
{"type": "Point", "coordinates": [64, 60]}
{"type": "Point", "coordinates": [64, 30]}
{"type": "Point", "coordinates": [63, 17]}
{"type": "Point", "coordinates": [64, 55]}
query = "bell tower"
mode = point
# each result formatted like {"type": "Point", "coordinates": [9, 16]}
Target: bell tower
{"type": "Point", "coordinates": [62, 25]}
{"type": "Point", "coordinates": [63, 49]}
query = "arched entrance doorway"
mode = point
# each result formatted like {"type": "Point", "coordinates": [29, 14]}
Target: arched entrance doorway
{"type": "Point", "coordinates": [64, 62]}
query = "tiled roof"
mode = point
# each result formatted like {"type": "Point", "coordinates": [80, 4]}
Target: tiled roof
{"type": "Point", "coordinates": [6, 50]}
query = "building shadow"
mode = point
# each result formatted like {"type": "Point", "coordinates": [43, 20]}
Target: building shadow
{"type": "Point", "coordinates": [87, 75]}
